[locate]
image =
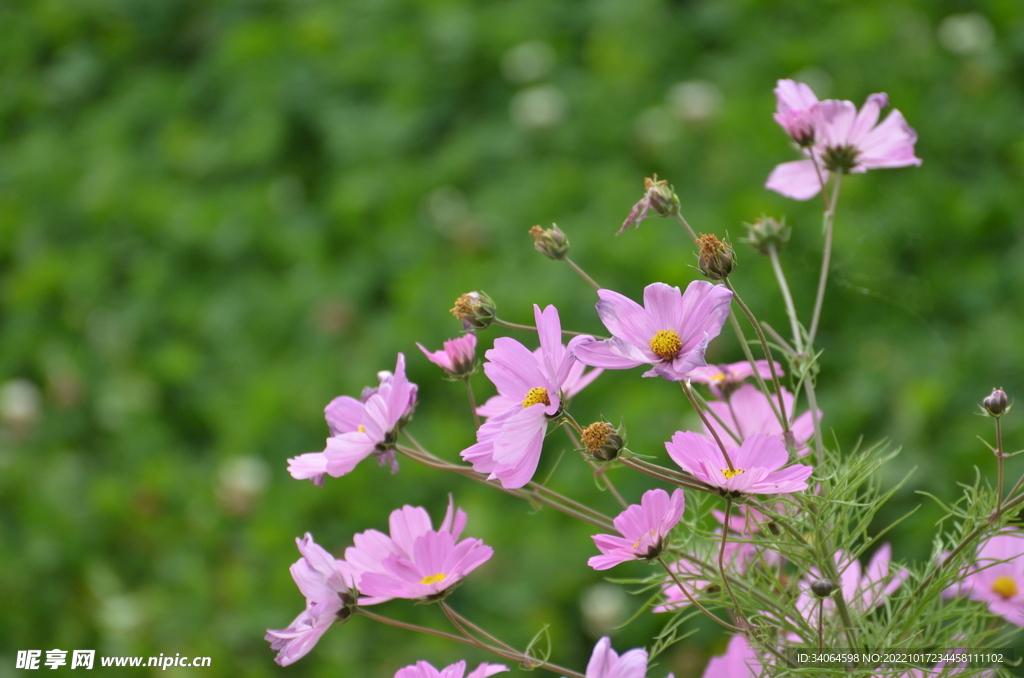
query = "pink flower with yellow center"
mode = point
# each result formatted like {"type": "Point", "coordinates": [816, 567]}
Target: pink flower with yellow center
{"type": "Point", "coordinates": [423, 669]}
{"type": "Point", "coordinates": [997, 576]}
{"type": "Point", "coordinates": [724, 379]}
{"type": "Point", "coordinates": [643, 527]}
{"type": "Point", "coordinates": [415, 561]}
{"type": "Point", "coordinates": [837, 138]}
{"type": "Point", "coordinates": [509, 444]}
{"type": "Point", "coordinates": [360, 429]}
{"type": "Point", "coordinates": [329, 587]}
{"type": "Point", "coordinates": [756, 464]}
{"type": "Point", "coordinates": [670, 331]}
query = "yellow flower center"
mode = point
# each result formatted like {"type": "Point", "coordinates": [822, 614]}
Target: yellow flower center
{"type": "Point", "coordinates": [636, 544]}
{"type": "Point", "coordinates": [731, 473]}
{"type": "Point", "coordinates": [536, 395]}
{"type": "Point", "coordinates": [718, 377]}
{"type": "Point", "coordinates": [666, 344]}
{"type": "Point", "coordinates": [362, 429]}
{"type": "Point", "coordinates": [1004, 586]}
{"type": "Point", "coordinates": [434, 578]}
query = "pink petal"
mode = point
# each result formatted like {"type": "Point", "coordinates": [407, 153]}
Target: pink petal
{"type": "Point", "coordinates": [611, 353]}
{"type": "Point", "coordinates": [626, 319]}
{"type": "Point", "coordinates": [797, 179]}
{"type": "Point", "coordinates": [891, 144]}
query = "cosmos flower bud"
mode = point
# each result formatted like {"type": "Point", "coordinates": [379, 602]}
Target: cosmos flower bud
{"type": "Point", "coordinates": [766, 234]}
{"type": "Point", "coordinates": [602, 441]}
{"type": "Point", "coordinates": [659, 196]}
{"type": "Point", "coordinates": [476, 310]}
{"type": "Point", "coordinates": [996, 404]}
{"type": "Point", "coordinates": [716, 259]}
{"type": "Point", "coordinates": [822, 587]}
{"type": "Point", "coordinates": [550, 242]}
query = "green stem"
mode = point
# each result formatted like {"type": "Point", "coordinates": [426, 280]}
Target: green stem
{"type": "Point", "coordinates": [753, 363]}
{"type": "Point", "coordinates": [583, 274]}
{"type": "Point", "coordinates": [472, 401]}
{"type": "Point", "coordinates": [999, 458]}
{"type": "Point", "coordinates": [531, 328]}
{"type": "Point", "coordinates": [667, 474]}
{"type": "Point", "coordinates": [794, 322]}
{"type": "Point", "coordinates": [693, 601]}
{"type": "Point", "coordinates": [682, 222]}
{"type": "Point", "coordinates": [826, 259]}
{"type": "Point", "coordinates": [707, 424]}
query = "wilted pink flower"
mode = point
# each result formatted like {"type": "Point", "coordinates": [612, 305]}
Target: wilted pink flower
{"type": "Point", "coordinates": [415, 561]}
{"type": "Point", "coordinates": [576, 380]}
{"type": "Point", "coordinates": [329, 587]}
{"type": "Point", "coordinates": [670, 331]}
{"type": "Point", "coordinates": [509, 444]}
{"type": "Point", "coordinates": [606, 663]}
{"type": "Point", "coordinates": [739, 661]}
{"type": "Point", "coordinates": [862, 589]}
{"type": "Point", "coordinates": [659, 196]}
{"type": "Point", "coordinates": [407, 524]}
{"type": "Point", "coordinates": [361, 429]}
{"type": "Point", "coordinates": [723, 379]}
{"type": "Point", "coordinates": [997, 576]}
{"type": "Point", "coordinates": [748, 411]}
{"type": "Point", "coordinates": [643, 527]}
{"type": "Point", "coordinates": [844, 141]}
{"type": "Point", "coordinates": [423, 669]}
{"type": "Point", "coordinates": [795, 111]}
{"type": "Point", "coordinates": [458, 357]}
{"type": "Point", "coordinates": [755, 464]}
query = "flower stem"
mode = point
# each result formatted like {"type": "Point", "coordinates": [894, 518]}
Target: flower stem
{"type": "Point", "coordinates": [503, 649]}
{"type": "Point", "coordinates": [999, 460]}
{"type": "Point", "coordinates": [783, 419]}
{"type": "Point", "coordinates": [583, 274]}
{"type": "Point", "coordinates": [472, 401]}
{"type": "Point", "coordinates": [721, 562]}
{"type": "Point", "coordinates": [531, 328]}
{"type": "Point", "coordinates": [682, 222]}
{"type": "Point", "coordinates": [703, 417]}
{"type": "Point", "coordinates": [753, 363]}
{"type": "Point", "coordinates": [667, 474]}
{"type": "Point", "coordinates": [693, 601]}
{"type": "Point", "coordinates": [826, 260]}
{"type": "Point", "coordinates": [812, 405]}
{"type": "Point", "coordinates": [732, 434]}
{"type": "Point", "coordinates": [794, 322]}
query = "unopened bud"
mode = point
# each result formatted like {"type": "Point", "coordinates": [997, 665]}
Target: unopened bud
{"type": "Point", "coordinates": [766, 234]}
{"type": "Point", "coordinates": [602, 441]}
{"type": "Point", "coordinates": [476, 310]}
{"type": "Point", "coordinates": [822, 587]}
{"type": "Point", "coordinates": [996, 404]}
{"type": "Point", "coordinates": [662, 196]}
{"type": "Point", "coordinates": [550, 242]}
{"type": "Point", "coordinates": [716, 259]}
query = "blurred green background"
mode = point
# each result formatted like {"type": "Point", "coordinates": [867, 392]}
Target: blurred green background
{"type": "Point", "coordinates": [216, 216]}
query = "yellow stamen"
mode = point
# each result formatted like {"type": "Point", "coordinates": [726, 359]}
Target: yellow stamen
{"type": "Point", "coordinates": [730, 473]}
{"type": "Point", "coordinates": [718, 378]}
{"type": "Point", "coordinates": [1005, 586]}
{"type": "Point", "coordinates": [434, 578]}
{"type": "Point", "coordinates": [636, 544]}
{"type": "Point", "coordinates": [666, 344]}
{"type": "Point", "coordinates": [536, 395]}
{"type": "Point", "coordinates": [362, 429]}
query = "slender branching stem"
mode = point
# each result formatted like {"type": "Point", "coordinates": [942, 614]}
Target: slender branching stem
{"type": "Point", "coordinates": [667, 474]}
{"type": "Point", "coordinates": [725, 427]}
{"type": "Point", "coordinates": [682, 222]}
{"type": "Point", "coordinates": [693, 601]}
{"type": "Point", "coordinates": [794, 321]}
{"type": "Point", "coordinates": [753, 362]}
{"type": "Point", "coordinates": [721, 562]}
{"type": "Point", "coordinates": [821, 624]}
{"type": "Point", "coordinates": [783, 419]}
{"type": "Point", "coordinates": [582, 273]}
{"type": "Point", "coordinates": [999, 462]}
{"type": "Point", "coordinates": [700, 412]}
{"type": "Point", "coordinates": [826, 259]}
{"type": "Point", "coordinates": [472, 400]}
{"type": "Point", "coordinates": [812, 404]}
{"type": "Point", "coordinates": [531, 328]}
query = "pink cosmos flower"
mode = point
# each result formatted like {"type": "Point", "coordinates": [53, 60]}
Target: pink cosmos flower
{"type": "Point", "coordinates": [670, 331]}
{"type": "Point", "coordinates": [509, 444]}
{"type": "Point", "coordinates": [844, 140]}
{"type": "Point", "coordinates": [739, 661]}
{"type": "Point", "coordinates": [756, 464]}
{"type": "Point", "coordinates": [577, 379]}
{"type": "Point", "coordinates": [406, 525]}
{"type": "Point", "coordinates": [997, 577]}
{"type": "Point", "coordinates": [748, 411]}
{"type": "Point", "coordinates": [458, 357]}
{"type": "Point", "coordinates": [329, 587]}
{"type": "Point", "coordinates": [643, 527]}
{"type": "Point", "coordinates": [361, 429]}
{"type": "Point", "coordinates": [415, 561]}
{"type": "Point", "coordinates": [606, 663]}
{"type": "Point", "coordinates": [795, 111]}
{"type": "Point", "coordinates": [423, 669]}
{"type": "Point", "coordinates": [862, 590]}
{"type": "Point", "coordinates": [723, 379]}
